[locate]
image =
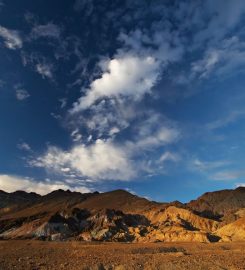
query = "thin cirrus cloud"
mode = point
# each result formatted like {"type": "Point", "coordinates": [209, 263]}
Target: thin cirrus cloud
{"type": "Point", "coordinates": [168, 156]}
{"type": "Point", "coordinates": [41, 64]}
{"type": "Point", "coordinates": [206, 166]}
{"type": "Point", "coordinates": [223, 17]}
{"type": "Point", "coordinates": [230, 118]}
{"type": "Point", "coordinates": [48, 30]}
{"type": "Point", "coordinates": [221, 59]}
{"type": "Point", "coordinates": [228, 175]}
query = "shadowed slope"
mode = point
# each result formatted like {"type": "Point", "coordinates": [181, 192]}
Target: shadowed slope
{"type": "Point", "coordinates": [219, 203]}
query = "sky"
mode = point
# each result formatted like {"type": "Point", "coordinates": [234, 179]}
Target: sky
{"type": "Point", "coordinates": [142, 95]}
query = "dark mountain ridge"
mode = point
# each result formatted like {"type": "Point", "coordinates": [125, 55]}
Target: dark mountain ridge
{"type": "Point", "coordinates": [219, 203]}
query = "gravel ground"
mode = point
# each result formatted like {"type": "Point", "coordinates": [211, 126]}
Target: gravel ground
{"type": "Point", "coordinates": [38, 255]}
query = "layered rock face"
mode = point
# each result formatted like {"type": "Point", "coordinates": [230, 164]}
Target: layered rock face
{"type": "Point", "coordinates": [122, 217]}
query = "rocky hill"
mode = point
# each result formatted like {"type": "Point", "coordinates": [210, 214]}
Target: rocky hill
{"type": "Point", "coordinates": [122, 217]}
{"type": "Point", "coordinates": [219, 203]}
{"type": "Point", "coordinates": [15, 198]}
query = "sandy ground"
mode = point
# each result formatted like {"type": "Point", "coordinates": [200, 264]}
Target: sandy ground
{"type": "Point", "coordinates": [38, 255]}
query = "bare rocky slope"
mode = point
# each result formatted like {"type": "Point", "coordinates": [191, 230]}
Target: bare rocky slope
{"type": "Point", "coordinates": [119, 216]}
{"type": "Point", "coordinates": [219, 203]}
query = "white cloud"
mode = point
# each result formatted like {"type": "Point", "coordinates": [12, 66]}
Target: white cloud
{"type": "Point", "coordinates": [48, 30]}
{"type": "Point", "coordinates": [45, 70]}
{"type": "Point", "coordinates": [101, 160]}
{"type": "Point", "coordinates": [10, 183]}
{"type": "Point", "coordinates": [135, 68]}
{"type": "Point", "coordinates": [76, 136]}
{"type": "Point", "coordinates": [113, 131]}
{"type": "Point", "coordinates": [66, 170]}
{"type": "Point", "coordinates": [107, 160]}
{"type": "Point", "coordinates": [24, 146]}
{"type": "Point", "coordinates": [239, 185]}
{"type": "Point", "coordinates": [22, 94]}
{"type": "Point", "coordinates": [111, 100]}
{"type": "Point", "coordinates": [12, 38]}
{"type": "Point", "coordinates": [125, 75]}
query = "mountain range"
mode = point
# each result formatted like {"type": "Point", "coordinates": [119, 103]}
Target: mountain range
{"type": "Point", "coordinates": [120, 216]}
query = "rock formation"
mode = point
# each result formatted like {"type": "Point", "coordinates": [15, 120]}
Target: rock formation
{"type": "Point", "coordinates": [122, 217]}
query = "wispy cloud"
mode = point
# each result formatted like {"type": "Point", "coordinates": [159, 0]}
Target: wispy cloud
{"type": "Point", "coordinates": [39, 63]}
{"type": "Point", "coordinates": [24, 146]}
{"type": "Point", "coordinates": [232, 117]}
{"type": "Point", "coordinates": [76, 136]}
{"type": "Point", "coordinates": [45, 70]}
{"type": "Point", "coordinates": [22, 94]}
{"type": "Point", "coordinates": [228, 175]}
{"type": "Point", "coordinates": [12, 38]}
{"type": "Point", "coordinates": [155, 131]}
{"type": "Point", "coordinates": [169, 156]}
{"type": "Point", "coordinates": [49, 30]}
{"type": "Point", "coordinates": [220, 60]}
{"type": "Point", "coordinates": [63, 102]}
{"type": "Point", "coordinates": [209, 165]}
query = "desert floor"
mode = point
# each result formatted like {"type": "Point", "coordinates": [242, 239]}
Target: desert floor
{"type": "Point", "coordinates": [37, 255]}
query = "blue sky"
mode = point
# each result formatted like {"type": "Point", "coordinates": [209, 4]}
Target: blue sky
{"type": "Point", "coordinates": [146, 96]}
